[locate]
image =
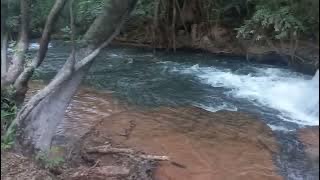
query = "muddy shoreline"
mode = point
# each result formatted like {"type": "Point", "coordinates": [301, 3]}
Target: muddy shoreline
{"type": "Point", "coordinates": [201, 145]}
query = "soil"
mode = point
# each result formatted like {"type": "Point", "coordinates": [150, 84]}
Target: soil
{"type": "Point", "coordinates": [15, 166]}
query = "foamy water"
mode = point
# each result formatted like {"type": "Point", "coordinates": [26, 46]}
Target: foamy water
{"type": "Point", "coordinates": [32, 46]}
{"type": "Point", "coordinates": [36, 46]}
{"type": "Point", "coordinates": [294, 95]}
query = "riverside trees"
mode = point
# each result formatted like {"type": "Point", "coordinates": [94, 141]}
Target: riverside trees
{"type": "Point", "coordinates": [36, 120]}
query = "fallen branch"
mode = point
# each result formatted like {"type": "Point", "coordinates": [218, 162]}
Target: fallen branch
{"type": "Point", "coordinates": [107, 149]}
{"type": "Point", "coordinates": [154, 157]}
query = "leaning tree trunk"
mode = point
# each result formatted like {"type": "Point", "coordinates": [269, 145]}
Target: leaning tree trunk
{"type": "Point", "coordinates": [4, 37]}
{"type": "Point", "coordinates": [18, 59]}
{"type": "Point", "coordinates": [38, 119]}
{"type": "Point", "coordinates": [21, 82]}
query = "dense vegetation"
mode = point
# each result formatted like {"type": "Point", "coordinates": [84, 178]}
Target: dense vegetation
{"type": "Point", "coordinates": [275, 19]}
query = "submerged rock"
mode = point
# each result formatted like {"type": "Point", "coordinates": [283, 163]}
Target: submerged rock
{"type": "Point", "coordinates": [310, 138]}
{"type": "Point", "coordinates": [201, 145]}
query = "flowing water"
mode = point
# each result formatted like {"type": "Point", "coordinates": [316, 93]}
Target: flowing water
{"type": "Point", "coordinates": [285, 100]}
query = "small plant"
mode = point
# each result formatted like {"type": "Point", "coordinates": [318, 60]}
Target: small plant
{"type": "Point", "coordinates": [8, 113]}
{"type": "Point", "coordinates": [49, 159]}
{"type": "Point", "coordinates": [66, 30]}
{"type": "Point", "coordinates": [7, 141]}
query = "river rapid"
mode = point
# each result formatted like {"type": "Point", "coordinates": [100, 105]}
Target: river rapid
{"type": "Point", "coordinates": [284, 100]}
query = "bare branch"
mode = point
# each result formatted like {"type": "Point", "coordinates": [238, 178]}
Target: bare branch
{"type": "Point", "coordinates": [73, 56]}
{"type": "Point", "coordinates": [46, 35]}
{"type": "Point", "coordinates": [107, 149]}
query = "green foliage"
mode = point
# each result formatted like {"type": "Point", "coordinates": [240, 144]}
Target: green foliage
{"type": "Point", "coordinates": [217, 11]}
{"type": "Point", "coordinates": [39, 12]}
{"type": "Point", "coordinates": [282, 19]}
{"type": "Point", "coordinates": [12, 21]}
{"type": "Point", "coordinates": [8, 113]}
{"type": "Point", "coordinates": [144, 8]}
{"type": "Point", "coordinates": [275, 19]}
{"type": "Point", "coordinates": [7, 142]}
{"type": "Point", "coordinates": [86, 11]}
{"type": "Point", "coordinates": [8, 106]}
{"type": "Point", "coordinates": [48, 161]}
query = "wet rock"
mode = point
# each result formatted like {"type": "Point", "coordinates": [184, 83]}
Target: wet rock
{"type": "Point", "coordinates": [271, 58]}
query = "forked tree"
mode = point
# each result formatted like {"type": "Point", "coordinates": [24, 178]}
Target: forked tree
{"type": "Point", "coordinates": [38, 118]}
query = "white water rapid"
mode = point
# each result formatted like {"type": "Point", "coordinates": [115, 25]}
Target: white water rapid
{"type": "Point", "coordinates": [294, 95]}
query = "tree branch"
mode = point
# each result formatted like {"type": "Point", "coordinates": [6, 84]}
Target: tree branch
{"type": "Point", "coordinates": [55, 11]}
{"type": "Point", "coordinates": [18, 58]}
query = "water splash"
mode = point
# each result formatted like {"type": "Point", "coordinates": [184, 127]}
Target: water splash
{"type": "Point", "coordinates": [294, 95]}
{"type": "Point", "coordinates": [313, 105]}
{"type": "Point", "coordinates": [36, 46]}
{"type": "Point", "coordinates": [32, 46]}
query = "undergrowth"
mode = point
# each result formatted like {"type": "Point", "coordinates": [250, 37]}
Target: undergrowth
{"type": "Point", "coordinates": [50, 159]}
{"type": "Point", "coordinates": [8, 113]}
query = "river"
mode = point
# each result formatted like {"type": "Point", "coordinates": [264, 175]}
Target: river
{"type": "Point", "coordinates": [284, 100]}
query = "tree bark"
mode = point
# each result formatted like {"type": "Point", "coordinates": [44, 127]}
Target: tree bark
{"type": "Point", "coordinates": [21, 82]}
{"type": "Point", "coordinates": [4, 39]}
{"type": "Point", "coordinates": [18, 58]}
{"type": "Point", "coordinates": [4, 12]}
{"type": "Point", "coordinates": [46, 109]}
{"type": "Point", "coordinates": [155, 23]}
{"type": "Point", "coordinates": [173, 26]}
{"type": "Point", "coordinates": [4, 59]}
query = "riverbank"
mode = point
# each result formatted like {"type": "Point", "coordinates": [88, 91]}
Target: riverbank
{"type": "Point", "coordinates": [222, 40]}
{"type": "Point", "coordinates": [306, 61]}
{"type": "Point", "coordinates": [200, 145]}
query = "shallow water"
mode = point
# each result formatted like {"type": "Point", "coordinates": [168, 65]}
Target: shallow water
{"type": "Point", "coordinates": [280, 97]}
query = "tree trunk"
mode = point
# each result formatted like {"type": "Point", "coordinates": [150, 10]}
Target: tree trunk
{"type": "Point", "coordinates": [22, 81]}
{"type": "Point", "coordinates": [4, 38]}
{"type": "Point", "coordinates": [38, 119]}
{"type": "Point", "coordinates": [39, 125]}
{"type": "Point", "coordinates": [4, 59]}
{"type": "Point", "coordinates": [18, 58]}
{"type": "Point", "coordinates": [4, 12]}
{"type": "Point", "coordinates": [155, 24]}
{"type": "Point", "coordinates": [173, 26]}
